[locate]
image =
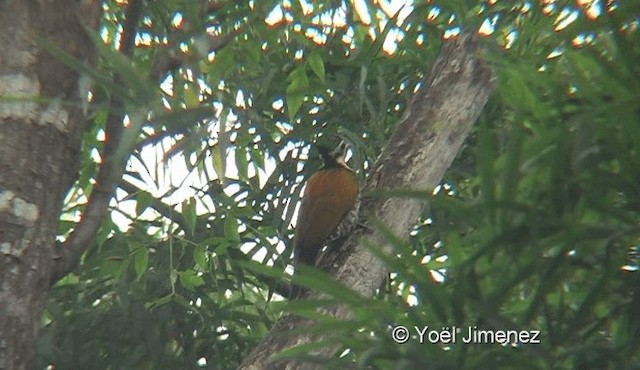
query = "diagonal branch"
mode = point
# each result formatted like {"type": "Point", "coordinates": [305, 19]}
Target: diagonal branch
{"type": "Point", "coordinates": [116, 149]}
{"type": "Point", "coordinates": [165, 210]}
{"type": "Point", "coordinates": [423, 146]}
{"type": "Point", "coordinates": [110, 171]}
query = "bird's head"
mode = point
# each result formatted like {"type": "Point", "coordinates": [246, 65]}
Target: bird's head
{"type": "Point", "coordinates": [333, 152]}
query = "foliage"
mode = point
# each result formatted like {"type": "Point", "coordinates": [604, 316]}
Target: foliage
{"type": "Point", "coordinates": [534, 227]}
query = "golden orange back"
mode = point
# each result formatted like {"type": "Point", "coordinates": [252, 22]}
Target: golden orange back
{"type": "Point", "coordinates": [330, 194]}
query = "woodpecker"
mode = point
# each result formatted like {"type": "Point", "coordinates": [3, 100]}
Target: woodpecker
{"type": "Point", "coordinates": [329, 206]}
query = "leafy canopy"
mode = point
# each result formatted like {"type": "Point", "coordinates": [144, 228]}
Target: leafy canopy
{"type": "Point", "coordinates": [535, 226]}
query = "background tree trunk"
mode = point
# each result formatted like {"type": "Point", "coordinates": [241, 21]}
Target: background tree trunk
{"type": "Point", "coordinates": [41, 124]}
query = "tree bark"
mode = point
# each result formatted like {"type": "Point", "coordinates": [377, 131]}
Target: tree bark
{"type": "Point", "coordinates": [41, 124]}
{"type": "Point", "coordinates": [423, 146]}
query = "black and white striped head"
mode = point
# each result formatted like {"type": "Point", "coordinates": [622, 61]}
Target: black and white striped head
{"type": "Point", "coordinates": [333, 152]}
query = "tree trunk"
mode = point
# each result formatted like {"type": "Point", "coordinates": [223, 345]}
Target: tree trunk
{"type": "Point", "coordinates": [41, 124]}
{"type": "Point", "coordinates": [424, 144]}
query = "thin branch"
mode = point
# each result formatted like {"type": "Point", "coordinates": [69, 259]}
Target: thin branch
{"type": "Point", "coordinates": [162, 208]}
{"type": "Point", "coordinates": [109, 173]}
{"type": "Point", "coordinates": [130, 27]}
{"type": "Point", "coordinates": [168, 60]}
{"type": "Point", "coordinates": [114, 155]}
{"type": "Point", "coordinates": [423, 146]}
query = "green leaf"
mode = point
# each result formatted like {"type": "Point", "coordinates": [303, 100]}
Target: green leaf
{"type": "Point", "coordinates": [316, 64]}
{"type": "Point", "coordinates": [218, 160]}
{"type": "Point", "coordinates": [318, 280]}
{"type": "Point", "coordinates": [242, 164]}
{"type": "Point", "coordinates": [298, 85]}
{"type": "Point", "coordinates": [141, 261]}
{"type": "Point", "coordinates": [516, 90]}
{"type": "Point", "coordinates": [191, 96]}
{"type": "Point", "coordinates": [189, 214]}
{"type": "Point", "coordinates": [294, 102]}
{"type": "Point", "coordinates": [104, 231]}
{"type": "Point", "coordinates": [143, 200]}
{"type": "Point", "coordinates": [224, 62]}
{"type": "Point", "coordinates": [231, 228]}
{"type": "Point", "coordinates": [190, 279]}
{"type": "Point", "coordinates": [486, 156]}
{"type": "Point", "coordinates": [200, 256]}
{"type": "Point", "coordinates": [159, 302]}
